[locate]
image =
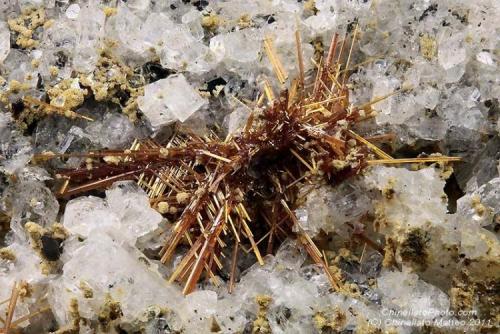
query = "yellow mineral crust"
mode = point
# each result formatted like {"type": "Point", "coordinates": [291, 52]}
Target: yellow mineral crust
{"type": "Point", "coordinates": [111, 78]}
{"type": "Point", "coordinates": [331, 320]}
{"type": "Point", "coordinates": [86, 289]}
{"type": "Point", "coordinates": [110, 310]}
{"type": "Point", "coordinates": [67, 94]}
{"type": "Point", "coordinates": [210, 22]}
{"type": "Point", "coordinates": [24, 25]}
{"type": "Point", "coordinates": [7, 254]}
{"type": "Point", "coordinates": [110, 11]}
{"type": "Point", "coordinates": [428, 47]}
{"type": "Point", "coordinates": [261, 324]}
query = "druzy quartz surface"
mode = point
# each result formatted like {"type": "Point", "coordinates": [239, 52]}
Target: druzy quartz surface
{"type": "Point", "coordinates": [414, 246]}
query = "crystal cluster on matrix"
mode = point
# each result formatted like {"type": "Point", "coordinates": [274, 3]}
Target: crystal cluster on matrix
{"type": "Point", "coordinates": [85, 75]}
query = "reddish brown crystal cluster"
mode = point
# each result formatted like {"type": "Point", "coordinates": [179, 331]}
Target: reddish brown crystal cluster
{"type": "Point", "coordinates": [239, 192]}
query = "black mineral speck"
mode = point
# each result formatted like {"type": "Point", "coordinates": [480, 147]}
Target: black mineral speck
{"type": "Point", "coordinates": [199, 169]}
{"type": "Point", "coordinates": [39, 82]}
{"type": "Point", "coordinates": [351, 25]}
{"type": "Point", "coordinates": [153, 72]}
{"type": "Point", "coordinates": [200, 5]}
{"type": "Point", "coordinates": [463, 18]}
{"type": "Point", "coordinates": [432, 9]}
{"type": "Point", "coordinates": [61, 59]}
{"type": "Point", "coordinates": [51, 247]}
{"type": "Point", "coordinates": [269, 18]}
{"type": "Point", "coordinates": [17, 107]}
{"type": "Point", "coordinates": [414, 247]}
{"type": "Point", "coordinates": [212, 85]}
{"type": "Point", "coordinates": [453, 192]}
{"type": "Point", "coordinates": [123, 96]}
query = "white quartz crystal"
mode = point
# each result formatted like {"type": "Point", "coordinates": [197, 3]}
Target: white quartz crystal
{"type": "Point", "coordinates": [197, 309]}
{"type": "Point", "coordinates": [4, 41]}
{"type": "Point", "coordinates": [131, 204]}
{"type": "Point", "coordinates": [169, 100]}
{"type": "Point", "coordinates": [124, 26]}
{"type": "Point", "coordinates": [108, 269]}
{"type": "Point", "coordinates": [477, 242]}
{"type": "Point", "coordinates": [462, 109]}
{"type": "Point", "coordinates": [15, 149]}
{"type": "Point", "coordinates": [73, 11]}
{"type": "Point", "coordinates": [328, 209]}
{"type": "Point", "coordinates": [25, 267]}
{"type": "Point", "coordinates": [383, 87]}
{"type": "Point", "coordinates": [325, 18]}
{"type": "Point", "coordinates": [30, 201]}
{"type": "Point", "coordinates": [404, 291]}
{"type": "Point", "coordinates": [485, 58]}
{"type": "Point", "coordinates": [91, 29]}
{"type": "Point", "coordinates": [428, 97]}
{"type": "Point", "coordinates": [452, 51]}
{"type": "Point", "coordinates": [125, 213]}
{"type": "Point", "coordinates": [280, 279]}
{"type": "Point", "coordinates": [481, 206]}
{"type": "Point", "coordinates": [178, 45]}
{"type": "Point", "coordinates": [85, 214]}
{"type": "Point", "coordinates": [114, 131]}
{"type": "Point", "coordinates": [241, 46]}
{"type": "Point", "coordinates": [416, 197]}
{"type": "Point", "coordinates": [236, 120]}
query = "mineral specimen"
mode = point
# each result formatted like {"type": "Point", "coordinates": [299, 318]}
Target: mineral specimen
{"type": "Point", "coordinates": [318, 166]}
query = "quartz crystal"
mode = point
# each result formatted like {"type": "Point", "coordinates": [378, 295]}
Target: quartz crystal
{"type": "Point", "coordinates": [113, 131]}
{"type": "Point", "coordinates": [482, 205]}
{"type": "Point", "coordinates": [383, 87]}
{"type": "Point", "coordinates": [239, 46]}
{"type": "Point", "coordinates": [404, 291]}
{"type": "Point", "coordinates": [236, 120]}
{"type": "Point", "coordinates": [15, 149]}
{"type": "Point", "coordinates": [329, 209]}
{"type": "Point", "coordinates": [26, 267]}
{"type": "Point", "coordinates": [110, 228]}
{"type": "Point", "coordinates": [169, 100]}
{"type": "Point", "coordinates": [452, 51]}
{"type": "Point", "coordinates": [73, 11]}
{"type": "Point", "coordinates": [478, 242]}
{"type": "Point", "coordinates": [125, 213]}
{"type": "Point", "coordinates": [30, 201]}
{"type": "Point", "coordinates": [416, 238]}
{"type": "Point", "coordinates": [416, 193]}
{"type": "Point", "coordinates": [108, 269]}
{"type": "Point", "coordinates": [4, 41]}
